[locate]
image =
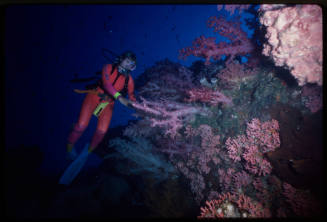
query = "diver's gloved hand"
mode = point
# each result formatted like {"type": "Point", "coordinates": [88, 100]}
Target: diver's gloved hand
{"type": "Point", "coordinates": [124, 101]}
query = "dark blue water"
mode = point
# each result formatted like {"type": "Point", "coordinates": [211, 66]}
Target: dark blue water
{"type": "Point", "coordinates": [45, 46]}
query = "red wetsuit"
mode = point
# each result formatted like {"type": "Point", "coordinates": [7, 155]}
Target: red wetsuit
{"type": "Point", "coordinates": [92, 100]}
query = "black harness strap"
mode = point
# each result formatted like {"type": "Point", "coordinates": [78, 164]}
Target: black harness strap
{"type": "Point", "coordinates": [124, 90]}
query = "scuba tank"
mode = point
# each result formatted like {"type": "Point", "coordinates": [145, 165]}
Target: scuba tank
{"type": "Point", "coordinates": [98, 73]}
{"type": "Point", "coordinates": [97, 79]}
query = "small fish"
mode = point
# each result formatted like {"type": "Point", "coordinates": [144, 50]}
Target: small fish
{"type": "Point", "coordinates": [284, 83]}
{"type": "Point", "coordinates": [107, 25]}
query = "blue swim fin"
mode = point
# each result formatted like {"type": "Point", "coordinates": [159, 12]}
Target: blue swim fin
{"type": "Point", "coordinates": [75, 167]}
{"type": "Point", "coordinates": [72, 155]}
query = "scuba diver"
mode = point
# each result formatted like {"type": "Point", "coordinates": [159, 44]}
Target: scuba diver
{"type": "Point", "coordinates": [100, 102]}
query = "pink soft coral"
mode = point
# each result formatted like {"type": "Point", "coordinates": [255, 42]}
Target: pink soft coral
{"type": "Point", "coordinates": [294, 37]}
{"type": "Point", "coordinates": [260, 138]}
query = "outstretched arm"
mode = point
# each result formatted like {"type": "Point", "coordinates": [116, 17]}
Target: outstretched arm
{"type": "Point", "coordinates": [107, 84]}
{"type": "Point", "coordinates": [130, 89]}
